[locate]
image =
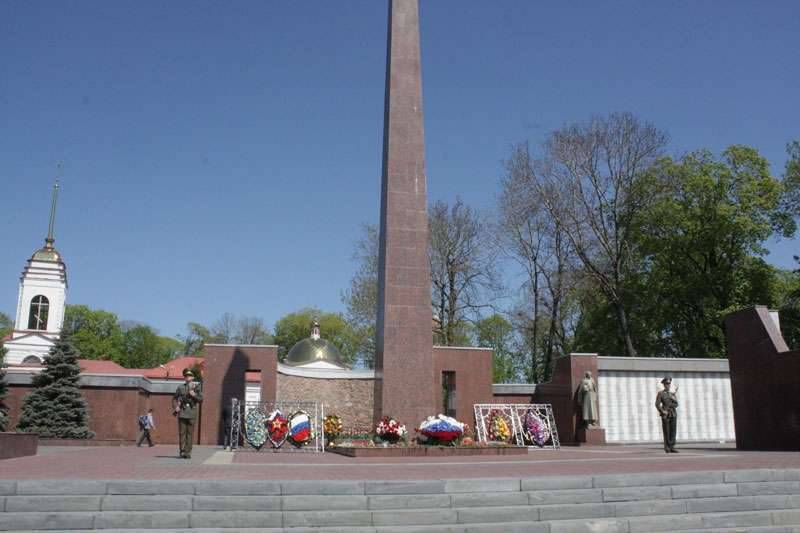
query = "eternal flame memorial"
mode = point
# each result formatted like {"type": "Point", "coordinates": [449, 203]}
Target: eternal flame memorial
{"type": "Point", "coordinates": [709, 486]}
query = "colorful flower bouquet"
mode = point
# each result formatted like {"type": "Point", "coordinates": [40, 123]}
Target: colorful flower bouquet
{"type": "Point", "coordinates": [390, 430]}
{"type": "Point", "coordinates": [498, 428]}
{"type": "Point", "coordinates": [440, 429]}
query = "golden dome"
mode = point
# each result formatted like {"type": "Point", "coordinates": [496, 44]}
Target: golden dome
{"type": "Point", "coordinates": [314, 349]}
{"type": "Point", "coordinates": [48, 253]}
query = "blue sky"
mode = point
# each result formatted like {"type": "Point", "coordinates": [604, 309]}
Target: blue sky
{"type": "Point", "coordinates": [221, 156]}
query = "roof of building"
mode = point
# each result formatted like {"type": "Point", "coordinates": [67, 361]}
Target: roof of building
{"type": "Point", "coordinates": [93, 366]}
{"type": "Point", "coordinates": [173, 369]}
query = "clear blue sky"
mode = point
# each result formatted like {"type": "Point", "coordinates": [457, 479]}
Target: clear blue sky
{"type": "Point", "coordinates": [221, 156]}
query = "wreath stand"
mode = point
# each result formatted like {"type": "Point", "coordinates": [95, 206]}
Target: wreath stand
{"type": "Point", "coordinates": [516, 413]}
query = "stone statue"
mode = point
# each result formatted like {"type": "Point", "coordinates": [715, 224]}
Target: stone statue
{"type": "Point", "coordinates": [587, 399]}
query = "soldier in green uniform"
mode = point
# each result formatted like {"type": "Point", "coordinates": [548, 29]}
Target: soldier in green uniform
{"type": "Point", "coordinates": [184, 403]}
{"type": "Point", "coordinates": [667, 405]}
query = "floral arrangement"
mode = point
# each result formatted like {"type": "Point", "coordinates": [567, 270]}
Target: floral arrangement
{"type": "Point", "coordinates": [277, 428]}
{"type": "Point", "coordinates": [535, 430]}
{"type": "Point", "coordinates": [333, 426]}
{"type": "Point", "coordinates": [497, 427]}
{"type": "Point", "coordinates": [440, 429]}
{"type": "Point", "coordinates": [300, 431]}
{"type": "Point", "coordinates": [255, 430]}
{"type": "Point", "coordinates": [390, 430]}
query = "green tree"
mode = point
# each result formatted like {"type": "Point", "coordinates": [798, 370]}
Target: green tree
{"type": "Point", "coordinates": [789, 305]}
{"type": "Point", "coordinates": [6, 325]}
{"type": "Point", "coordinates": [197, 336]}
{"type": "Point", "coordinates": [142, 347]}
{"type": "Point", "coordinates": [791, 180]}
{"type": "Point", "coordinates": [3, 388]}
{"type": "Point", "coordinates": [96, 334]}
{"type": "Point", "coordinates": [497, 333]}
{"type": "Point", "coordinates": [703, 242]}
{"type": "Point", "coordinates": [294, 327]}
{"type": "Point", "coordinates": [361, 298]}
{"type": "Point", "coordinates": [55, 407]}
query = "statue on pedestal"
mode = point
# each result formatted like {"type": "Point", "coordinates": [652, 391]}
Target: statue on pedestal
{"type": "Point", "coordinates": [587, 399]}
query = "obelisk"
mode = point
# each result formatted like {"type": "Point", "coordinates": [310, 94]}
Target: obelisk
{"type": "Point", "coordinates": [404, 348]}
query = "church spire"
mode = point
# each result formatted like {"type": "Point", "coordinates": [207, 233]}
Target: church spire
{"type": "Point", "coordinates": [50, 238]}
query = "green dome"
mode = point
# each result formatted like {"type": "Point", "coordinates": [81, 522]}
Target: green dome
{"type": "Point", "coordinates": [312, 351]}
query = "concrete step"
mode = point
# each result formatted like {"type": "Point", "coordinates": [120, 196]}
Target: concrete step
{"type": "Point", "coordinates": [661, 523]}
{"type": "Point", "coordinates": [646, 515]}
{"type": "Point", "coordinates": [660, 502]}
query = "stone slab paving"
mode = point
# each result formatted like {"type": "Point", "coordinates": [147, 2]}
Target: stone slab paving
{"type": "Point", "coordinates": [545, 467]}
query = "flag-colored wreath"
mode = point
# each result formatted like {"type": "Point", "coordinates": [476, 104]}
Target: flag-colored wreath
{"type": "Point", "coordinates": [440, 429]}
{"type": "Point", "coordinates": [300, 432]}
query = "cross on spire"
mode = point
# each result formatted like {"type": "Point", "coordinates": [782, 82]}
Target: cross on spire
{"type": "Point", "coordinates": [50, 238]}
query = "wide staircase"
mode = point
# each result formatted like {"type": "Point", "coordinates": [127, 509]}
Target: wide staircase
{"type": "Point", "coordinates": [740, 500]}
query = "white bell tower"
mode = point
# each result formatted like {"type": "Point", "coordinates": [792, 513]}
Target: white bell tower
{"type": "Point", "coordinates": [41, 302]}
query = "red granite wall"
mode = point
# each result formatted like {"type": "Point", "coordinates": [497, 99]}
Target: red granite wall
{"type": "Point", "coordinates": [113, 412]}
{"type": "Point", "coordinates": [764, 378]}
{"type": "Point", "coordinates": [224, 378]}
{"type": "Point", "coordinates": [473, 368]}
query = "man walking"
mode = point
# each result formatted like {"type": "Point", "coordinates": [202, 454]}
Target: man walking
{"type": "Point", "coordinates": [184, 404]}
{"type": "Point", "coordinates": [146, 423]}
{"type": "Point", "coordinates": [667, 405]}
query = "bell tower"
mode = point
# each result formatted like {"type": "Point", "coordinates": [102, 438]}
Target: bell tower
{"type": "Point", "coordinates": [41, 301]}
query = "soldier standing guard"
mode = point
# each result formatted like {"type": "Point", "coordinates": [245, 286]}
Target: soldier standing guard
{"type": "Point", "coordinates": [184, 403]}
{"type": "Point", "coordinates": [667, 405]}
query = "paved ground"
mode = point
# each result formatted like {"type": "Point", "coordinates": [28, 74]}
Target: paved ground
{"type": "Point", "coordinates": [161, 462]}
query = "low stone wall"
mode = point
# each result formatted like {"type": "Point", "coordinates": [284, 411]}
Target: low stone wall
{"type": "Point", "coordinates": [350, 399]}
{"type": "Point", "coordinates": [17, 445]}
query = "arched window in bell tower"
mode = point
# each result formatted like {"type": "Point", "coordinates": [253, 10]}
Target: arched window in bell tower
{"type": "Point", "coordinates": [40, 306]}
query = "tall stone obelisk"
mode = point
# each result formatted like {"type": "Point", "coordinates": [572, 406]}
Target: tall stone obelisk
{"type": "Point", "coordinates": [404, 348]}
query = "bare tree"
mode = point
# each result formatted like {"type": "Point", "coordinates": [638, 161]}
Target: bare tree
{"type": "Point", "coordinates": [224, 328]}
{"type": "Point", "coordinates": [463, 274]}
{"type": "Point", "coordinates": [252, 330]}
{"type": "Point", "coordinates": [537, 242]}
{"type": "Point", "coordinates": [592, 180]}
{"type": "Point", "coordinates": [464, 278]}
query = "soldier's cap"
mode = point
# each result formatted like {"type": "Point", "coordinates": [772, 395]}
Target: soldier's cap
{"type": "Point", "coordinates": [667, 379]}
{"type": "Point", "coordinates": [187, 372]}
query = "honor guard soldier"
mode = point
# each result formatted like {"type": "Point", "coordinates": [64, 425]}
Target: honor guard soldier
{"type": "Point", "coordinates": [667, 405]}
{"type": "Point", "coordinates": [184, 404]}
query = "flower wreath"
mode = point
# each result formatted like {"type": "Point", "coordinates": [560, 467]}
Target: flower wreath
{"type": "Point", "coordinates": [333, 426]}
{"type": "Point", "coordinates": [535, 429]}
{"type": "Point", "coordinates": [277, 428]}
{"type": "Point", "coordinates": [497, 427]}
{"type": "Point", "coordinates": [300, 430]}
{"type": "Point", "coordinates": [254, 429]}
